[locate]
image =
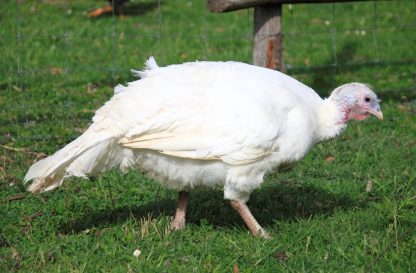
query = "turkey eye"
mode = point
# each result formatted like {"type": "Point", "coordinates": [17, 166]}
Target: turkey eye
{"type": "Point", "coordinates": [367, 99]}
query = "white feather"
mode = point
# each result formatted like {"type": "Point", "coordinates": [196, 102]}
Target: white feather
{"type": "Point", "coordinates": [119, 88]}
{"type": "Point", "coordinates": [149, 65]}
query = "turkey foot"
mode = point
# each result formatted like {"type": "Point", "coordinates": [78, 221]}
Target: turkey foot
{"type": "Point", "coordinates": [249, 219]}
{"type": "Point", "coordinates": [179, 220]}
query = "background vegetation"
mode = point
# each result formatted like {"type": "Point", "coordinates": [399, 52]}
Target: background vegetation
{"type": "Point", "coordinates": [348, 207]}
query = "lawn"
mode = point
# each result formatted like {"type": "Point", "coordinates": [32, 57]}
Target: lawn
{"type": "Point", "coordinates": [349, 206]}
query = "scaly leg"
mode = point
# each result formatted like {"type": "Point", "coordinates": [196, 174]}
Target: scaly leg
{"type": "Point", "coordinates": [179, 221]}
{"type": "Point", "coordinates": [249, 219]}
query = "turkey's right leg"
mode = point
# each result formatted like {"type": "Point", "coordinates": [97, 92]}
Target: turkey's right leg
{"type": "Point", "coordinates": [179, 221]}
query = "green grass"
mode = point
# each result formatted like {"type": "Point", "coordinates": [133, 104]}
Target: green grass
{"type": "Point", "coordinates": [320, 215]}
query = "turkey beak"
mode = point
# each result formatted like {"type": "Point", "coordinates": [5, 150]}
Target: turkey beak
{"type": "Point", "coordinates": [376, 111]}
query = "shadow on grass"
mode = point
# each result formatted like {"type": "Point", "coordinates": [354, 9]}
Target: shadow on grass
{"type": "Point", "coordinates": [281, 202]}
{"type": "Point", "coordinates": [136, 9]}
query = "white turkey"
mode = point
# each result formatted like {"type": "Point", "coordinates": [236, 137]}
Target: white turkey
{"type": "Point", "coordinates": [204, 124]}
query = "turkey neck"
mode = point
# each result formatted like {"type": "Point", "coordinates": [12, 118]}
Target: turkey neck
{"type": "Point", "coordinates": [332, 119]}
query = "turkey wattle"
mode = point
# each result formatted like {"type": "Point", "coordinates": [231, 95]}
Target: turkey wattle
{"type": "Point", "coordinates": [204, 124]}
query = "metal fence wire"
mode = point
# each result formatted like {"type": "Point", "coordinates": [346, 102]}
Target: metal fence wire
{"type": "Point", "coordinates": [59, 65]}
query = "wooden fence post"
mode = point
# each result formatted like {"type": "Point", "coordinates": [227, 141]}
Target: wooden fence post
{"type": "Point", "coordinates": [268, 37]}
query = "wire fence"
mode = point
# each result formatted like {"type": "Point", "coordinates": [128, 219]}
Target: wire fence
{"type": "Point", "coordinates": [59, 65]}
{"type": "Point", "coordinates": [343, 52]}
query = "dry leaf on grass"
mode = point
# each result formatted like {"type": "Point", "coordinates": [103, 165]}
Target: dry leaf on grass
{"type": "Point", "coordinates": [56, 70]}
{"type": "Point", "coordinates": [329, 158]}
{"type": "Point", "coordinates": [281, 256]}
{"type": "Point", "coordinates": [91, 88]}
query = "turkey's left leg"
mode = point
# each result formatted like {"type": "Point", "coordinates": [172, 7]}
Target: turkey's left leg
{"type": "Point", "coordinates": [249, 219]}
{"type": "Point", "coordinates": [179, 221]}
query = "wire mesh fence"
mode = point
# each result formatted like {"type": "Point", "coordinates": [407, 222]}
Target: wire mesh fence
{"type": "Point", "coordinates": [59, 65]}
{"type": "Point", "coordinates": [359, 38]}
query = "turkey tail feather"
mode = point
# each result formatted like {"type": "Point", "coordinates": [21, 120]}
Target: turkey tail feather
{"type": "Point", "coordinates": [90, 153]}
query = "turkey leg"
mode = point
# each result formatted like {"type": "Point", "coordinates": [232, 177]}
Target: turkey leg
{"type": "Point", "coordinates": [179, 220]}
{"type": "Point", "coordinates": [249, 219]}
